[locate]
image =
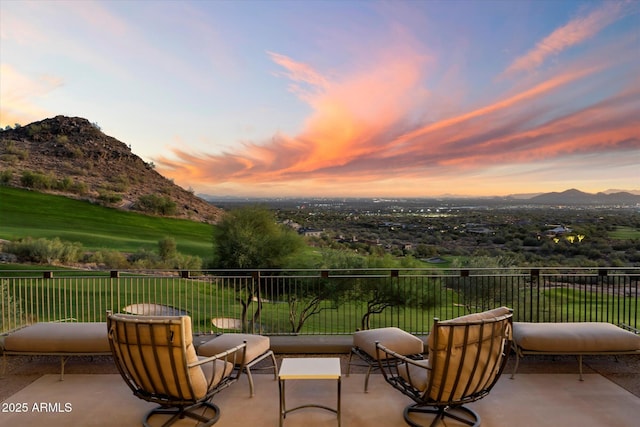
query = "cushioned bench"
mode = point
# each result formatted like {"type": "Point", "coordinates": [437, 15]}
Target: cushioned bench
{"type": "Point", "coordinates": [364, 346]}
{"type": "Point", "coordinates": [258, 349]}
{"type": "Point", "coordinates": [573, 338]}
{"type": "Point", "coordinates": [57, 339]}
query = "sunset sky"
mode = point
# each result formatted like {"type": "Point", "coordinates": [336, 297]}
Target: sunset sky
{"type": "Point", "coordinates": [342, 98]}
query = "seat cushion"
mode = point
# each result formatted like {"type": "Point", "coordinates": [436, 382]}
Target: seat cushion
{"type": "Point", "coordinates": [257, 345]}
{"type": "Point", "coordinates": [216, 371]}
{"type": "Point", "coordinates": [57, 337]}
{"type": "Point", "coordinates": [574, 337]}
{"type": "Point", "coordinates": [394, 339]}
{"type": "Point", "coordinates": [417, 376]}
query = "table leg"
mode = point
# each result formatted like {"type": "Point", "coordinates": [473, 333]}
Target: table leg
{"type": "Point", "coordinates": [339, 388]}
{"type": "Point", "coordinates": [282, 401]}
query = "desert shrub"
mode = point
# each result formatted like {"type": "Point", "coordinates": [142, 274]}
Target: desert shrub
{"type": "Point", "coordinates": [35, 180]}
{"type": "Point", "coordinates": [12, 150]}
{"type": "Point", "coordinates": [152, 203]}
{"type": "Point", "coordinates": [80, 188]}
{"type": "Point", "coordinates": [109, 259]}
{"type": "Point", "coordinates": [167, 248]}
{"type": "Point", "coordinates": [143, 258]}
{"type": "Point", "coordinates": [45, 251]}
{"type": "Point", "coordinates": [64, 184]}
{"type": "Point", "coordinates": [5, 176]}
{"type": "Point", "coordinates": [120, 183]}
{"type": "Point", "coordinates": [184, 262]}
{"type": "Point", "coordinates": [109, 197]}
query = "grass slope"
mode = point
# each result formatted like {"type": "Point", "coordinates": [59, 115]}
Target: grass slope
{"type": "Point", "coordinates": [26, 213]}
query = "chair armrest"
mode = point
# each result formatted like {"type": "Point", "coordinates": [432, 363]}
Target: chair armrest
{"type": "Point", "coordinates": [223, 356]}
{"type": "Point", "coordinates": [404, 373]}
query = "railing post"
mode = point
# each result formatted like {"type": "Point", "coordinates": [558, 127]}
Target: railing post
{"type": "Point", "coordinates": [184, 274]}
{"type": "Point", "coordinates": [535, 283]}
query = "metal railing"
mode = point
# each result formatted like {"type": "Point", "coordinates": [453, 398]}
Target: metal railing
{"type": "Point", "coordinates": [327, 302]}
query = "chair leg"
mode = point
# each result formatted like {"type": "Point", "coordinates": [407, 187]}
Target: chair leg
{"type": "Point", "coordinates": [177, 414]}
{"type": "Point", "coordinates": [366, 379]}
{"type": "Point", "coordinates": [458, 413]}
{"type": "Point", "coordinates": [247, 369]}
{"type": "Point", "coordinates": [371, 364]}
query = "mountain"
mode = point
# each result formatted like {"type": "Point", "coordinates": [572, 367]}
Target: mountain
{"type": "Point", "coordinates": [577, 197]}
{"type": "Point", "coordinates": [71, 156]}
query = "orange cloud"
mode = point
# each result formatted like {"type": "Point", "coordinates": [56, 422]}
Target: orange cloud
{"type": "Point", "coordinates": [374, 129]}
{"type": "Point", "coordinates": [19, 94]}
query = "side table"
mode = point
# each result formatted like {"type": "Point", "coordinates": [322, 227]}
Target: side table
{"type": "Point", "coordinates": [308, 368]}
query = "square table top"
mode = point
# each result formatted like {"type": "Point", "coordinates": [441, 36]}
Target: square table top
{"type": "Point", "coordinates": [308, 368]}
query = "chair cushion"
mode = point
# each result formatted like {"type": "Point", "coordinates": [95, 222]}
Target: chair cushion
{"type": "Point", "coordinates": [574, 337]}
{"type": "Point", "coordinates": [216, 371]}
{"type": "Point", "coordinates": [57, 337]}
{"type": "Point", "coordinates": [392, 338]}
{"type": "Point", "coordinates": [257, 345]}
{"type": "Point", "coordinates": [417, 376]}
{"type": "Point", "coordinates": [489, 314]}
{"type": "Point", "coordinates": [454, 363]}
{"type": "Point", "coordinates": [162, 347]}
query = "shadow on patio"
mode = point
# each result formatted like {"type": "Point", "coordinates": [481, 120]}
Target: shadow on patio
{"type": "Point", "coordinates": [546, 392]}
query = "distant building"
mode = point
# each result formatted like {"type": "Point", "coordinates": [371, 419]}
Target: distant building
{"type": "Point", "coordinates": [557, 231]}
{"type": "Point", "coordinates": [310, 232]}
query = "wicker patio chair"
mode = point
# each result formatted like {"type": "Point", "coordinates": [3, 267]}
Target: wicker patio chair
{"type": "Point", "coordinates": [156, 358]}
{"type": "Point", "coordinates": [466, 356]}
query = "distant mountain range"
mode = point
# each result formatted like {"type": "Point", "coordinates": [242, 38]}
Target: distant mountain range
{"type": "Point", "coordinates": [80, 161]}
{"type": "Point", "coordinates": [577, 197]}
{"type": "Point", "coordinates": [568, 197]}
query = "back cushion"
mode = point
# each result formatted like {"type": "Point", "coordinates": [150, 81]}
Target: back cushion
{"type": "Point", "coordinates": [467, 357]}
{"type": "Point", "coordinates": [154, 355]}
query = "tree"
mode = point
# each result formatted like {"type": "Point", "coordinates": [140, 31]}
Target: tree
{"type": "Point", "coordinates": [168, 248]}
{"type": "Point", "coordinates": [250, 238]}
{"type": "Point", "coordinates": [310, 297]}
{"type": "Point", "coordinates": [382, 293]}
{"type": "Point", "coordinates": [490, 286]}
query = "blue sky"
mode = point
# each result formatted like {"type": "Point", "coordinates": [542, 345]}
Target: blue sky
{"type": "Point", "coordinates": [341, 98]}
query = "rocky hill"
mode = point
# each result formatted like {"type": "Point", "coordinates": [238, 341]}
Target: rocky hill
{"type": "Point", "coordinates": [71, 156]}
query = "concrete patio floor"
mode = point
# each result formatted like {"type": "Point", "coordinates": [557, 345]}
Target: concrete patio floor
{"type": "Point", "coordinates": [92, 394]}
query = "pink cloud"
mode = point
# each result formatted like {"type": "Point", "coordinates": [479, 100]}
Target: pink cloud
{"type": "Point", "coordinates": [574, 32]}
{"type": "Point", "coordinates": [370, 127]}
{"type": "Point", "coordinates": [20, 94]}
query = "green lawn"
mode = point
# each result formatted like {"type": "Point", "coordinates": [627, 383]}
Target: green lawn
{"type": "Point", "coordinates": [625, 233]}
{"type": "Point", "coordinates": [26, 213]}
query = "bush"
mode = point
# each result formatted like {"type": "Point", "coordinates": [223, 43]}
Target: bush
{"type": "Point", "coordinates": [5, 177]}
{"type": "Point", "coordinates": [35, 180]}
{"type": "Point", "coordinates": [45, 251]}
{"type": "Point", "coordinates": [108, 197]}
{"type": "Point", "coordinates": [161, 205]}
{"type": "Point", "coordinates": [168, 248]}
{"type": "Point", "coordinates": [110, 259]}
